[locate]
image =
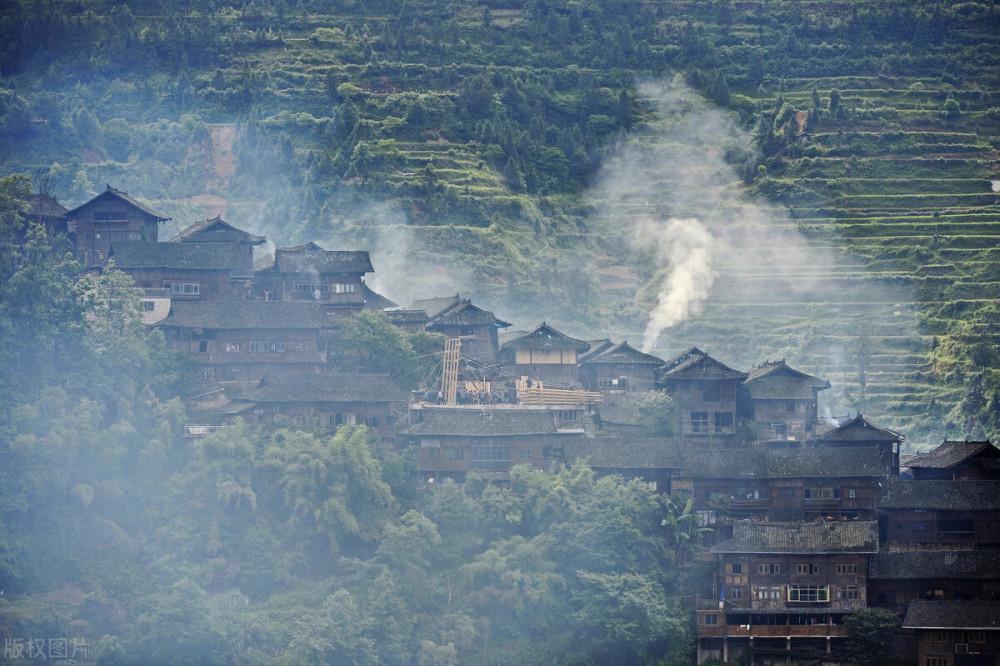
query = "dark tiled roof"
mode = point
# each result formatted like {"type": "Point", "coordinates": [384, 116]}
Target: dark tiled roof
{"type": "Point", "coordinates": [696, 364]}
{"type": "Point", "coordinates": [190, 256]}
{"type": "Point", "coordinates": [375, 300]}
{"type": "Point", "coordinates": [44, 205]}
{"type": "Point", "coordinates": [265, 263]}
{"type": "Point", "coordinates": [782, 463]}
{"type": "Point", "coordinates": [247, 314]}
{"type": "Point", "coordinates": [962, 495]}
{"type": "Point", "coordinates": [407, 316]}
{"type": "Point", "coordinates": [544, 337]}
{"type": "Point", "coordinates": [951, 453]}
{"type": "Point", "coordinates": [777, 380]}
{"type": "Point", "coordinates": [953, 615]}
{"type": "Point", "coordinates": [946, 564]}
{"type": "Point", "coordinates": [215, 230]}
{"type": "Point", "coordinates": [456, 311]}
{"type": "Point", "coordinates": [613, 453]}
{"type": "Point", "coordinates": [596, 347]}
{"type": "Point", "coordinates": [624, 354]}
{"type": "Point", "coordinates": [860, 429]}
{"type": "Point", "coordinates": [478, 421]}
{"type": "Point", "coordinates": [309, 260]}
{"type": "Point", "coordinates": [333, 387]}
{"type": "Point", "coordinates": [819, 537]}
{"type": "Point", "coordinates": [117, 194]}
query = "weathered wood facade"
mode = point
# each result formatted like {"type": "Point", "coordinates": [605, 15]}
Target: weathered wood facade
{"type": "Point", "coordinates": [186, 271]}
{"type": "Point", "coordinates": [307, 272]}
{"type": "Point", "coordinates": [244, 340]}
{"type": "Point", "coordinates": [943, 515]}
{"type": "Point", "coordinates": [785, 587]}
{"type": "Point", "coordinates": [332, 399]}
{"type": "Point", "coordinates": [900, 577]}
{"type": "Point", "coordinates": [953, 460]}
{"type": "Point", "coordinates": [782, 399]}
{"type": "Point", "coordinates": [705, 396]}
{"type": "Point", "coordinates": [544, 355]}
{"type": "Point", "coordinates": [955, 633]}
{"type": "Point", "coordinates": [456, 440]}
{"type": "Point", "coordinates": [456, 317]}
{"type": "Point", "coordinates": [860, 432]}
{"type": "Point", "coordinates": [111, 218]}
{"type": "Point", "coordinates": [619, 368]}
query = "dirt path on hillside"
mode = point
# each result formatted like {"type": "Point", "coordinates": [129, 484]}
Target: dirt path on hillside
{"type": "Point", "coordinates": [221, 165]}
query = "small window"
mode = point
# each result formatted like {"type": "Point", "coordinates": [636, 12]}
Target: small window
{"type": "Point", "coordinates": [851, 593]}
{"type": "Point", "coordinates": [737, 593]}
{"type": "Point", "coordinates": [723, 421]}
{"type": "Point", "coordinates": [847, 568]}
{"type": "Point", "coordinates": [524, 454]}
{"type": "Point", "coordinates": [203, 346]}
{"type": "Point", "coordinates": [711, 620]}
{"type": "Point", "coordinates": [736, 568]}
{"type": "Point", "coordinates": [699, 421]}
{"type": "Point", "coordinates": [781, 430]}
{"type": "Point", "coordinates": [148, 306]}
{"type": "Point", "coordinates": [852, 493]}
{"type": "Point", "coordinates": [232, 347]}
{"type": "Point", "coordinates": [806, 569]}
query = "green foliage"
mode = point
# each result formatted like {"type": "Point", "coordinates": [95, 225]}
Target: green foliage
{"type": "Point", "coordinates": [870, 635]}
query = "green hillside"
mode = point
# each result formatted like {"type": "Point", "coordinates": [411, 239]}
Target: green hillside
{"type": "Point", "coordinates": [844, 163]}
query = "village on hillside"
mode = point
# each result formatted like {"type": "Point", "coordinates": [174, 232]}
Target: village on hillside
{"type": "Point", "coordinates": [811, 518]}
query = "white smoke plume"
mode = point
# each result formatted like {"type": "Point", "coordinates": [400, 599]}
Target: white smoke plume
{"type": "Point", "coordinates": [687, 247]}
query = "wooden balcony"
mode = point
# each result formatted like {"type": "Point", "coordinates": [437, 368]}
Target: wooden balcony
{"type": "Point", "coordinates": [773, 631]}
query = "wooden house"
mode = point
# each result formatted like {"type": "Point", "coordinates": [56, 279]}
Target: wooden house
{"type": "Point", "coordinates": [781, 484]}
{"type": "Point", "coordinates": [456, 440]}
{"type": "Point", "coordinates": [186, 271]}
{"type": "Point", "coordinates": [955, 633]}
{"type": "Point", "coordinates": [544, 355]}
{"type": "Point", "coordinates": [860, 432]}
{"type": "Point", "coordinates": [619, 368]}
{"type": "Point", "coordinates": [217, 230]}
{"type": "Point", "coordinates": [375, 300]}
{"type": "Point", "coordinates": [705, 395]}
{"type": "Point", "coordinates": [783, 399]}
{"type": "Point", "coordinates": [111, 218]}
{"type": "Point", "coordinates": [332, 399]}
{"type": "Point", "coordinates": [943, 515]}
{"type": "Point", "coordinates": [897, 578]}
{"type": "Point", "coordinates": [244, 340]}
{"type": "Point", "coordinates": [957, 460]}
{"type": "Point", "coordinates": [455, 317]}
{"type": "Point", "coordinates": [307, 272]}
{"type": "Point", "coordinates": [43, 209]}
{"type": "Point", "coordinates": [783, 590]}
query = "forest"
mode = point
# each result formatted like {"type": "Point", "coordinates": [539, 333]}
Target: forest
{"type": "Point", "coordinates": [489, 149]}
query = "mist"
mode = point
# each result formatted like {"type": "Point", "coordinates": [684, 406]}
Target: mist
{"type": "Point", "coordinates": [728, 272]}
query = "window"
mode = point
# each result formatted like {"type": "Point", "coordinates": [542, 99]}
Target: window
{"type": "Point", "coordinates": [185, 288]}
{"type": "Point", "coordinates": [490, 453]}
{"type": "Point", "coordinates": [802, 568]}
{"type": "Point", "coordinates": [711, 620]}
{"type": "Point", "coordinates": [232, 347]}
{"type": "Point", "coordinates": [786, 492]}
{"type": "Point", "coordinates": [300, 346]}
{"type": "Point", "coordinates": [699, 421]}
{"type": "Point", "coordinates": [847, 568]}
{"type": "Point", "coordinates": [203, 346]}
{"type": "Point", "coordinates": [919, 526]}
{"type": "Point", "coordinates": [723, 421]}
{"type": "Point", "coordinates": [768, 593]}
{"type": "Point", "coordinates": [781, 430]}
{"type": "Point", "coordinates": [266, 345]}
{"type": "Point", "coordinates": [974, 637]}
{"type": "Point", "coordinates": [937, 637]}
{"type": "Point", "coordinates": [935, 661]}
{"type": "Point", "coordinates": [148, 306]}
{"type": "Point", "coordinates": [344, 288]}
{"type": "Point", "coordinates": [737, 593]}
{"type": "Point", "coordinates": [310, 287]}
{"type": "Point", "coordinates": [524, 454]}
{"type": "Point", "coordinates": [736, 568]}
{"type": "Point", "coordinates": [371, 421]}
{"type": "Point", "coordinates": [850, 593]}
{"type": "Point", "coordinates": [809, 593]}
{"type": "Point", "coordinates": [822, 493]}
{"type": "Point", "coordinates": [852, 493]}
